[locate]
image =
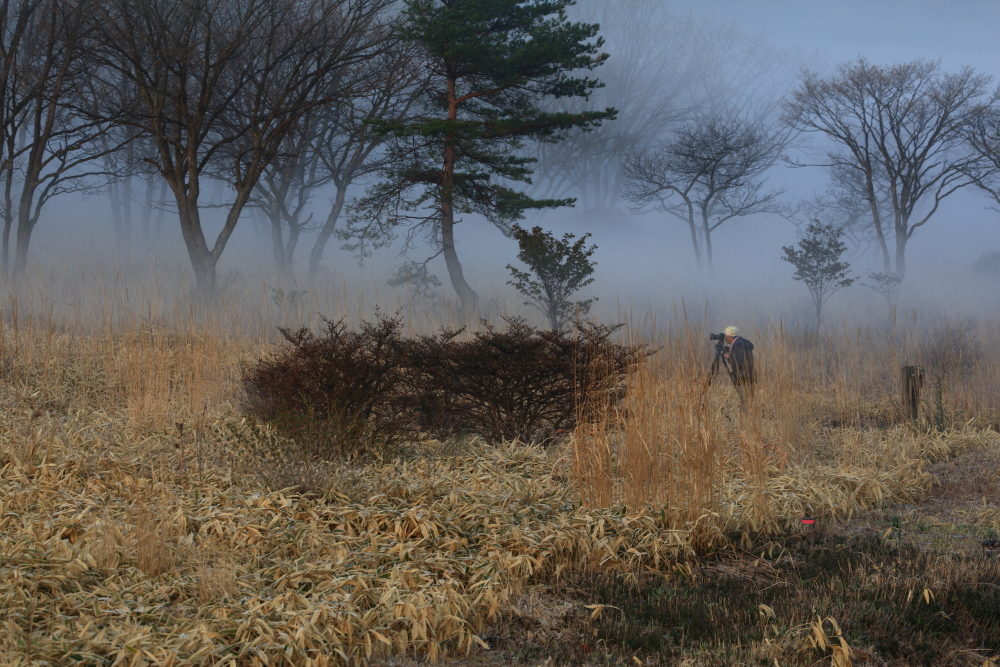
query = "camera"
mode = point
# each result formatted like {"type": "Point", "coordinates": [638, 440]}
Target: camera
{"type": "Point", "coordinates": [720, 336]}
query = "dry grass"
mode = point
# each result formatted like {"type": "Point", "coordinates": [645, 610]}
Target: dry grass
{"type": "Point", "coordinates": [129, 535]}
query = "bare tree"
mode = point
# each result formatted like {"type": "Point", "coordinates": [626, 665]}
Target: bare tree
{"type": "Point", "coordinates": [710, 173]}
{"type": "Point", "coordinates": [667, 69]}
{"type": "Point", "coordinates": [48, 143]}
{"type": "Point", "coordinates": [218, 85]}
{"type": "Point", "coordinates": [901, 131]}
{"type": "Point", "coordinates": [983, 138]}
{"type": "Point", "coordinates": [285, 190]}
{"type": "Point", "coordinates": [337, 145]}
{"type": "Point", "coordinates": [349, 150]}
{"type": "Point", "coordinates": [15, 18]}
{"type": "Point", "coordinates": [843, 206]}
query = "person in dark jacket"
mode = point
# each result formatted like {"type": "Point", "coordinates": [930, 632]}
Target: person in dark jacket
{"type": "Point", "coordinates": [740, 357]}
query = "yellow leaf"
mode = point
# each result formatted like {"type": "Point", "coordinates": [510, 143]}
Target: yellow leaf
{"type": "Point", "coordinates": [382, 638]}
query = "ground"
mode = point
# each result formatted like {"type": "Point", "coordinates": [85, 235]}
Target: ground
{"type": "Point", "coordinates": [905, 584]}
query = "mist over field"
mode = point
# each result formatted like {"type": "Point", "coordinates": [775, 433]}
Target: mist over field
{"type": "Point", "coordinates": [669, 62]}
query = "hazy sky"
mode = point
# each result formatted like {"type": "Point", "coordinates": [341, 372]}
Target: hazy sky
{"type": "Point", "coordinates": [647, 249]}
{"type": "Point", "coordinates": [960, 32]}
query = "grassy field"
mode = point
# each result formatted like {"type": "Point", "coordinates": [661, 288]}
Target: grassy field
{"type": "Point", "coordinates": [134, 529]}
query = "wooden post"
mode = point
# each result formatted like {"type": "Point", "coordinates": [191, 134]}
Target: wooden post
{"type": "Point", "coordinates": [913, 381]}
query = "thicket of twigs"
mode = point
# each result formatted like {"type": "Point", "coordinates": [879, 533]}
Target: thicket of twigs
{"type": "Point", "coordinates": [353, 392]}
{"type": "Point", "coordinates": [129, 532]}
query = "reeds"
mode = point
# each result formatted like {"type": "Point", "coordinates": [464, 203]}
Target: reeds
{"type": "Point", "coordinates": [823, 429]}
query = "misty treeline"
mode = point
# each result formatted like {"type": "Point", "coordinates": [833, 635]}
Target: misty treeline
{"type": "Point", "coordinates": [365, 121]}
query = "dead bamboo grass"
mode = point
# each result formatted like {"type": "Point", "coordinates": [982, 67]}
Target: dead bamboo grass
{"type": "Point", "coordinates": [126, 537]}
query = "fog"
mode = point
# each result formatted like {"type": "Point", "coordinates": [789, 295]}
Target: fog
{"type": "Point", "coordinates": [645, 260]}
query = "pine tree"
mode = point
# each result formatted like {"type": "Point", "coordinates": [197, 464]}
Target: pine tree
{"type": "Point", "coordinates": [490, 64]}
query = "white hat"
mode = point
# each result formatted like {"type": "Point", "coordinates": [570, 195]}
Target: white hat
{"type": "Point", "coordinates": [732, 332]}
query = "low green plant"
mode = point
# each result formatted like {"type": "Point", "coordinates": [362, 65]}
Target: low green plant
{"type": "Point", "coordinates": [557, 269]}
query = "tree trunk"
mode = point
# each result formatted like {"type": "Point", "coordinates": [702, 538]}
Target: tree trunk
{"type": "Point", "coordinates": [694, 236]}
{"type": "Point", "coordinates": [707, 228]}
{"type": "Point", "coordinates": [116, 212]}
{"type": "Point", "coordinates": [278, 249]}
{"type": "Point", "coordinates": [161, 212]}
{"type": "Point", "coordinates": [329, 227]}
{"type": "Point", "coordinates": [8, 222]}
{"type": "Point", "coordinates": [147, 213]}
{"type": "Point", "coordinates": [466, 295]}
{"type": "Point", "coordinates": [21, 251]}
{"type": "Point", "coordinates": [25, 225]}
{"type": "Point", "coordinates": [127, 210]}
{"type": "Point", "coordinates": [293, 241]}
{"type": "Point", "coordinates": [901, 251]}
{"type": "Point", "coordinates": [877, 222]}
{"type": "Point", "coordinates": [8, 219]}
{"type": "Point", "coordinates": [203, 261]}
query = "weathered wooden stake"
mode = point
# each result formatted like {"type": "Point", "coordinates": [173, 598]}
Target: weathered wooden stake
{"type": "Point", "coordinates": [913, 381]}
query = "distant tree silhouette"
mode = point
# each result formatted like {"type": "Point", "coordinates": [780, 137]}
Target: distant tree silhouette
{"type": "Point", "coordinates": [902, 131]}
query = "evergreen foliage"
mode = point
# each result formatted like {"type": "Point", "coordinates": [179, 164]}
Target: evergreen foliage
{"type": "Point", "coordinates": [490, 63]}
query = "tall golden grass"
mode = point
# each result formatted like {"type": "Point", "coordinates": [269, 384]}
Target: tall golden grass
{"type": "Point", "coordinates": [128, 533]}
{"type": "Point", "coordinates": [824, 432]}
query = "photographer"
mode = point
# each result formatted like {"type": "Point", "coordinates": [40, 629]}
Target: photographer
{"type": "Point", "coordinates": [740, 357]}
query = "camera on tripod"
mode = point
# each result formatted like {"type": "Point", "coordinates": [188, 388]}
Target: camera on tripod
{"type": "Point", "coordinates": [720, 360]}
{"type": "Point", "coordinates": [720, 345]}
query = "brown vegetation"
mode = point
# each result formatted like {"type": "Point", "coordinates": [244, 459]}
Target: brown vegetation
{"type": "Point", "coordinates": [129, 532]}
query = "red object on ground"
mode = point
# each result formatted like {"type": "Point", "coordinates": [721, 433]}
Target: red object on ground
{"type": "Point", "coordinates": [807, 521]}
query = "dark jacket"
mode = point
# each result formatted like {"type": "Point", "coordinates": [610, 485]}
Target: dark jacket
{"type": "Point", "coordinates": [741, 361]}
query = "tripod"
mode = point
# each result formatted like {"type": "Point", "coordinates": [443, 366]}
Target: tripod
{"type": "Point", "coordinates": [720, 357]}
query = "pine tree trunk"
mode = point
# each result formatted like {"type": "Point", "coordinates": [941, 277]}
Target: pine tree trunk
{"type": "Point", "coordinates": [468, 297]}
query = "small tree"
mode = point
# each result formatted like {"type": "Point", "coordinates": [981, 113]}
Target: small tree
{"type": "Point", "coordinates": [420, 281]}
{"type": "Point", "coordinates": [817, 263]}
{"type": "Point", "coordinates": [887, 284]}
{"type": "Point", "coordinates": [556, 269]}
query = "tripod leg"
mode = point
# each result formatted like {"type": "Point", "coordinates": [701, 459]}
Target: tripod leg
{"type": "Point", "coordinates": [739, 388]}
